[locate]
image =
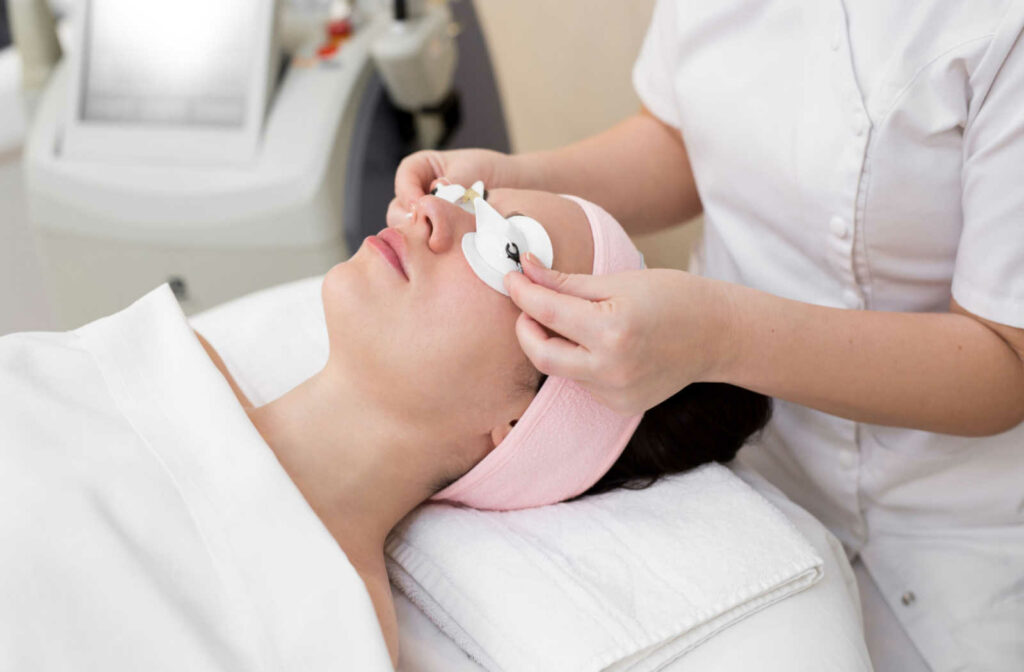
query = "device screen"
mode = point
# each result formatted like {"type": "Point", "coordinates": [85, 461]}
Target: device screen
{"type": "Point", "coordinates": [178, 63]}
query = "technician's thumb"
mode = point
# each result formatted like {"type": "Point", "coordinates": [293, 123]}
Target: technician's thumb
{"type": "Point", "coordinates": [584, 286]}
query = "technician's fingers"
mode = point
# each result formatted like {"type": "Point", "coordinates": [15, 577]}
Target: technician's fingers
{"type": "Point", "coordinates": [576, 319]}
{"type": "Point", "coordinates": [415, 174]}
{"type": "Point", "coordinates": [438, 182]}
{"type": "Point", "coordinates": [593, 287]}
{"type": "Point", "coordinates": [552, 355]}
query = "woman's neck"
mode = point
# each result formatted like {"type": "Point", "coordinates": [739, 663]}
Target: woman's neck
{"type": "Point", "coordinates": [344, 455]}
{"type": "Point", "coordinates": [347, 456]}
{"type": "Point", "coordinates": [331, 445]}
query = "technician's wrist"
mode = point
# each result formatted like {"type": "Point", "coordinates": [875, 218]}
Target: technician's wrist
{"type": "Point", "coordinates": [528, 171]}
{"type": "Point", "coordinates": [725, 331]}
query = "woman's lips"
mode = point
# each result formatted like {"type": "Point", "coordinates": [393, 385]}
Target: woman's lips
{"type": "Point", "coordinates": [391, 244]}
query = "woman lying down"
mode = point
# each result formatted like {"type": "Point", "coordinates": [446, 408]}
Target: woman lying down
{"type": "Point", "coordinates": [151, 518]}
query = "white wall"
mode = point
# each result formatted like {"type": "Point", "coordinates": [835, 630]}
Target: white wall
{"type": "Point", "coordinates": [563, 70]}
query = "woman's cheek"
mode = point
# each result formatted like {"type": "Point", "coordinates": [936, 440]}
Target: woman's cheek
{"type": "Point", "coordinates": [476, 310]}
{"type": "Point", "coordinates": [472, 294]}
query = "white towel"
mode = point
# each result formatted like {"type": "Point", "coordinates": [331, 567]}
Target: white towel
{"type": "Point", "coordinates": [628, 580]}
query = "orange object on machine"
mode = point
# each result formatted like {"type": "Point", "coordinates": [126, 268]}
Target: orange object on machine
{"type": "Point", "coordinates": [327, 50]}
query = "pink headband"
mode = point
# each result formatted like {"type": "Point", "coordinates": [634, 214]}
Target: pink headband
{"type": "Point", "coordinates": [565, 440]}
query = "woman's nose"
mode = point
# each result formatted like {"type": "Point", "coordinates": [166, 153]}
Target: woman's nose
{"type": "Point", "coordinates": [441, 220]}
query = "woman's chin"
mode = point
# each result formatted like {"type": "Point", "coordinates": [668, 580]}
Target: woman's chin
{"type": "Point", "coordinates": [341, 295]}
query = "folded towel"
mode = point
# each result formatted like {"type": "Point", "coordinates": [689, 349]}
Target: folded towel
{"type": "Point", "coordinates": [627, 580]}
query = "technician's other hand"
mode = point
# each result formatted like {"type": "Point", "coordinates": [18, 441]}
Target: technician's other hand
{"type": "Point", "coordinates": [418, 173]}
{"type": "Point", "coordinates": [631, 339]}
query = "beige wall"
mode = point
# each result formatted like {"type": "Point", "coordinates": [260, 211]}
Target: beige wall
{"type": "Point", "coordinates": [563, 69]}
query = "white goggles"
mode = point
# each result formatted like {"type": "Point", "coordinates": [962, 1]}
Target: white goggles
{"type": "Point", "coordinates": [498, 244]}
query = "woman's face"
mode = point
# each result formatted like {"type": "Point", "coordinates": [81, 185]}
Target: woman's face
{"type": "Point", "coordinates": [431, 340]}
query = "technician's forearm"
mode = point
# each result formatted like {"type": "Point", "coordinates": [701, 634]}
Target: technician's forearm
{"type": "Point", "coordinates": [638, 170]}
{"type": "Point", "coordinates": [945, 373]}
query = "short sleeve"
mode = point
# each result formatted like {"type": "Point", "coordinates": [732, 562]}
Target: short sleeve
{"type": "Point", "coordinates": [654, 70]}
{"type": "Point", "coordinates": [988, 278]}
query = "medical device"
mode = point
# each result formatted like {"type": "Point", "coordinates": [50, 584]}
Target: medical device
{"type": "Point", "coordinates": [416, 57]}
{"type": "Point", "coordinates": [33, 28]}
{"type": "Point", "coordinates": [151, 82]}
{"type": "Point", "coordinates": [223, 147]}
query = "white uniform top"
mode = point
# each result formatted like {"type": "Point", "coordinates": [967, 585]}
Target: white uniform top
{"type": "Point", "coordinates": [146, 525]}
{"type": "Point", "coordinates": [872, 157]}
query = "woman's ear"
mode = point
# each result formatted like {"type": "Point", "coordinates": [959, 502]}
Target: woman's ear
{"type": "Point", "coordinates": [499, 433]}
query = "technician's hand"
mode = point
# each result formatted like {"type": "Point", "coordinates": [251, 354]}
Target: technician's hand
{"type": "Point", "coordinates": [418, 173]}
{"type": "Point", "coordinates": [631, 339]}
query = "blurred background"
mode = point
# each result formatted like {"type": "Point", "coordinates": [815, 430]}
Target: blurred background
{"type": "Point", "coordinates": [86, 191]}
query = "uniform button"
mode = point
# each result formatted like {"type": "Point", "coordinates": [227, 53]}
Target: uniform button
{"type": "Point", "coordinates": [851, 299]}
{"type": "Point", "coordinates": [838, 227]}
{"type": "Point", "coordinates": [908, 598]}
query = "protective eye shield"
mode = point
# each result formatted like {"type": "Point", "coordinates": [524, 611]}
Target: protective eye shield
{"type": "Point", "coordinates": [499, 243]}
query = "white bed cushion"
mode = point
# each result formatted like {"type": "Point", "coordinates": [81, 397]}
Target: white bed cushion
{"type": "Point", "coordinates": [625, 580]}
{"type": "Point", "coordinates": [276, 338]}
{"type": "Point", "coordinates": [817, 629]}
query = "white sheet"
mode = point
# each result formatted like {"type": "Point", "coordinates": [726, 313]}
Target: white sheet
{"type": "Point", "coordinates": [145, 525]}
{"type": "Point", "coordinates": [274, 339]}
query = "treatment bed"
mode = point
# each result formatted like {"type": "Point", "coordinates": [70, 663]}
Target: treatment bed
{"type": "Point", "coordinates": [274, 339]}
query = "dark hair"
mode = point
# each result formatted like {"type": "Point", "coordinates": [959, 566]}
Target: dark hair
{"type": "Point", "coordinates": [703, 422]}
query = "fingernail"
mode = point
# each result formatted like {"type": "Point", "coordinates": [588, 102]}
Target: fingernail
{"type": "Point", "coordinates": [532, 258]}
